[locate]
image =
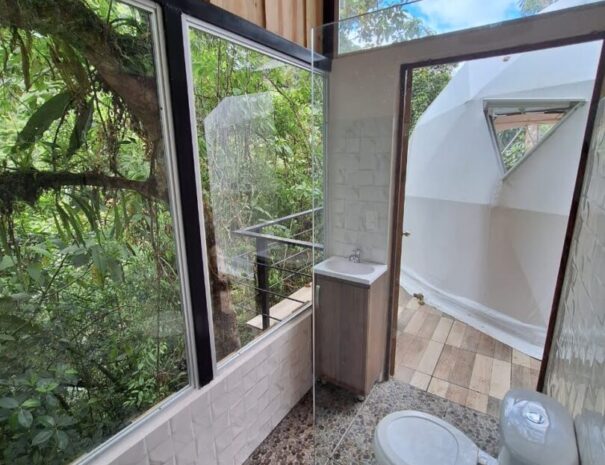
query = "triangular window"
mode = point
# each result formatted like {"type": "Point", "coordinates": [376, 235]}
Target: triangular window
{"type": "Point", "coordinates": [519, 127]}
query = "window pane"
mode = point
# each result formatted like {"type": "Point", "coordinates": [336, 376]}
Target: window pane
{"type": "Point", "coordinates": [91, 328]}
{"type": "Point", "coordinates": [519, 128]}
{"type": "Point", "coordinates": [366, 24]}
{"type": "Point", "coordinates": [254, 122]}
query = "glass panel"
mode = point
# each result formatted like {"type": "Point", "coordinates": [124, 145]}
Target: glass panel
{"type": "Point", "coordinates": [253, 121]}
{"type": "Point", "coordinates": [91, 327]}
{"type": "Point", "coordinates": [367, 24]}
{"type": "Point", "coordinates": [576, 371]}
{"type": "Point", "coordinates": [519, 128]}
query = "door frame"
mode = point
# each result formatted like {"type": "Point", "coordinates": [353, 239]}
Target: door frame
{"type": "Point", "coordinates": [443, 44]}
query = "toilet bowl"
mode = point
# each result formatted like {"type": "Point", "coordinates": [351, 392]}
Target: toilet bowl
{"type": "Point", "coordinates": [534, 430]}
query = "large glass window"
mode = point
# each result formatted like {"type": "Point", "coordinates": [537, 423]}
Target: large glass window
{"type": "Point", "coordinates": [91, 327]}
{"type": "Point", "coordinates": [254, 125]}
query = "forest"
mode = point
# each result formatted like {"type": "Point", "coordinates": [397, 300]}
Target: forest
{"type": "Point", "coordinates": [91, 329]}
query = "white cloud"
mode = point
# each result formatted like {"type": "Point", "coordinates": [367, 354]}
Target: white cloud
{"type": "Point", "coordinates": [443, 15]}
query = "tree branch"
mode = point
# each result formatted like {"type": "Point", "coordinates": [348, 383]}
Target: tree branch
{"type": "Point", "coordinates": [125, 63]}
{"type": "Point", "coordinates": [29, 185]}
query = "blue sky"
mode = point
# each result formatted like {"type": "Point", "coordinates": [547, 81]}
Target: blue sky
{"type": "Point", "coordinates": [451, 15]}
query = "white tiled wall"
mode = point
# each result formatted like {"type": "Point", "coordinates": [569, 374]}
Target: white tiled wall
{"type": "Point", "coordinates": [359, 162]}
{"type": "Point", "coordinates": [225, 421]}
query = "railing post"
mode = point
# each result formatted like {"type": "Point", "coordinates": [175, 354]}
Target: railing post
{"type": "Point", "coordinates": [262, 280]}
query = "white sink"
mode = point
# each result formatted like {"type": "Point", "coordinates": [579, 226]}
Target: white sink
{"type": "Point", "coordinates": [348, 267]}
{"type": "Point", "coordinates": [343, 268]}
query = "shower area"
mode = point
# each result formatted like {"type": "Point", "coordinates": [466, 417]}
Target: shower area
{"type": "Point", "coordinates": [451, 176]}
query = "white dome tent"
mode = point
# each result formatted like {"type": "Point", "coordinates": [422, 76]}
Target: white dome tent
{"type": "Point", "coordinates": [491, 169]}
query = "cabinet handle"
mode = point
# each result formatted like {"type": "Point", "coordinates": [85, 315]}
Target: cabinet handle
{"type": "Point", "coordinates": [317, 288]}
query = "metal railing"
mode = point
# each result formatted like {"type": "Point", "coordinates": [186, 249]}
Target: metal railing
{"type": "Point", "coordinates": [264, 243]}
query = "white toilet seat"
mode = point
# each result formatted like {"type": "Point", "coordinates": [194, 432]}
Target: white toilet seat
{"type": "Point", "coordinates": [415, 438]}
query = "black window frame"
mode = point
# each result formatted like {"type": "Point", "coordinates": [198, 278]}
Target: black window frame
{"type": "Point", "coordinates": [189, 195]}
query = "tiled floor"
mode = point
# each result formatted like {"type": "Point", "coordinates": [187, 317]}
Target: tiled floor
{"type": "Point", "coordinates": [343, 429]}
{"type": "Point", "coordinates": [450, 359]}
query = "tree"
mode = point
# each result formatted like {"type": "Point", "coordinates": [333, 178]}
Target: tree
{"type": "Point", "coordinates": [367, 28]}
{"type": "Point", "coordinates": [530, 7]}
{"type": "Point", "coordinates": [427, 83]}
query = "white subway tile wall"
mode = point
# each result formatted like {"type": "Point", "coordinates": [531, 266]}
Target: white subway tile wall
{"type": "Point", "coordinates": [225, 421]}
{"type": "Point", "coordinates": [576, 368]}
{"type": "Point", "coordinates": [359, 166]}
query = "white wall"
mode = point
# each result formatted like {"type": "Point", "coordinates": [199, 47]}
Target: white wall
{"type": "Point", "coordinates": [224, 422]}
{"type": "Point", "coordinates": [486, 248]}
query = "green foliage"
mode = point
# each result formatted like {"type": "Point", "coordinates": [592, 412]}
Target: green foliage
{"type": "Point", "coordinates": [91, 331]}
{"type": "Point", "coordinates": [39, 122]}
{"type": "Point", "coordinates": [530, 7]}
{"type": "Point", "coordinates": [372, 23]}
{"type": "Point", "coordinates": [427, 84]}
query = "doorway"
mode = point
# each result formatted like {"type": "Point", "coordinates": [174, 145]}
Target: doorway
{"type": "Point", "coordinates": [492, 147]}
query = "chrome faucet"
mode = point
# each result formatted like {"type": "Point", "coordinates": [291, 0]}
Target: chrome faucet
{"type": "Point", "coordinates": [355, 257]}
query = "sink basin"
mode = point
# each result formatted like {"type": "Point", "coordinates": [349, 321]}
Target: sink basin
{"type": "Point", "coordinates": [344, 269]}
{"type": "Point", "coordinates": [349, 267]}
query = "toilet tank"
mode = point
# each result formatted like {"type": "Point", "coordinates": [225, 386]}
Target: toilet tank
{"type": "Point", "coordinates": [535, 430]}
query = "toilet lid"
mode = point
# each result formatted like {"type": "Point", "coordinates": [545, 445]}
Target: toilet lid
{"type": "Point", "coordinates": [416, 438]}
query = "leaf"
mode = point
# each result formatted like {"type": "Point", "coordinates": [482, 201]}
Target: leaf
{"type": "Point", "coordinates": [42, 437]}
{"type": "Point", "coordinates": [81, 127]}
{"type": "Point", "coordinates": [42, 118]}
{"type": "Point", "coordinates": [8, 403]}
{"type": "Point", "coordinates": [115, 270]}
{"type": "Point", "coordinates": [47, 420]}
{"type": "Point", "coordinates": [6, 262]}
{"type": "Point", "coordinates": [45, 386]}
{"type": "Point", "coordinates": [62, 440]}
{"type": "Point", "coordinates": [65, 420]}
{"type": "Point", "coordinates": [40, 251]}
{"type": "Point", "coordinates": [34, 270]}
{"type": "Point", "coordinates": [31, 403]}
{"type": "Point", "coordinates": [25, 418]}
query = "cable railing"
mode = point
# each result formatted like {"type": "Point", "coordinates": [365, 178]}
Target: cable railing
{"type": "Point", "coordinates": [297, 247]}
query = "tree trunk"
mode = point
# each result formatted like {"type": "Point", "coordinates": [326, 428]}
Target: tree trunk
{"type": "Point", "coordinates": [226, 335]}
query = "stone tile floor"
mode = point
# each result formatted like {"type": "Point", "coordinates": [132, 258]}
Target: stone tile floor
{"type": "Point", "coordinates": [443, 367]}
{"type": "Point", "coordinates": [344, 427]}
{"type": "Point", "coordinates": [450, 359]}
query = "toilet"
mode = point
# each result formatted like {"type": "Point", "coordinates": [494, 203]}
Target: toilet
{"type": "Point", "coordinates": [534, 430]}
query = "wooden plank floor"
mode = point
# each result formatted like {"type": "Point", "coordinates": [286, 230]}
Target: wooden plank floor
{"type": "Point", "coordinates": [450, 359]}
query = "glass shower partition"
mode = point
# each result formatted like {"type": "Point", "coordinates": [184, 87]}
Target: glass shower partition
{"type": "Point", "coordinates": [352, 185]}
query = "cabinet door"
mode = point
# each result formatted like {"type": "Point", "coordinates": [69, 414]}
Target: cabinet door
{"type": "Point", "coordinates": [340, 329]}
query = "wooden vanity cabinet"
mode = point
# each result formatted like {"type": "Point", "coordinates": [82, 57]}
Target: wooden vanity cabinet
{"type": "Point", "coordinates": [350, 332]}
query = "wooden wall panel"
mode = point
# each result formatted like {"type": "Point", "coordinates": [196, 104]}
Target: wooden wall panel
{"type": "Point", "coordinates": [291, 19]}
{"type": "Point", "coordinates": [252, 10]}
{"type": "Point", "coordinates": [286, 18]}
{"type": "Point", "coordinates": [313, 18]}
